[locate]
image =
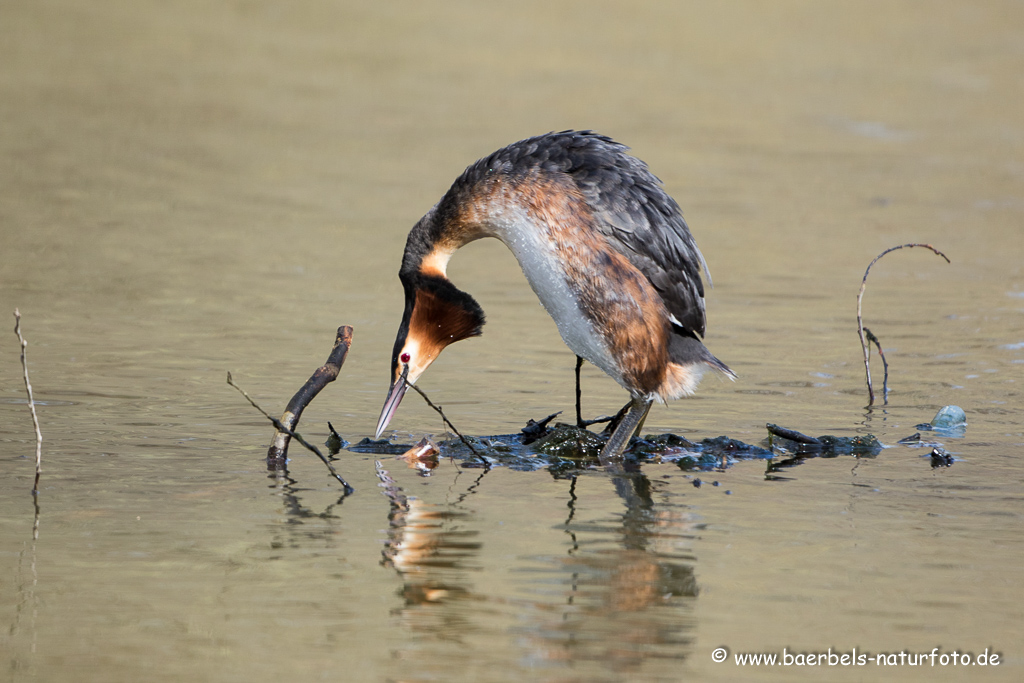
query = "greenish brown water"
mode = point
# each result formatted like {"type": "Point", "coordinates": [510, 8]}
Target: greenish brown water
{"type": "Point", "coordinates": [188, 189]}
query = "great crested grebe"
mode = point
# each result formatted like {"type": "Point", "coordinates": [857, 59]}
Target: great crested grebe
{"type": "Point", "coordinates": [602, 245]}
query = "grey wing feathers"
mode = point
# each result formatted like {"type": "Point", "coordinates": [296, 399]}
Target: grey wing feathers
{"type": "Point", "coordinates": [635, 212]}
{"type": "Point", "coordinates": [632, 209]}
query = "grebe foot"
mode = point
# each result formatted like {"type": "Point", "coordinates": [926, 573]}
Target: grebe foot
{"type": "Point", "coordinates": [627, 427]}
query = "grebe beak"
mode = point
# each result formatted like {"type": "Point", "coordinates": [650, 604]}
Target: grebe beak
{"type": "Point", "coordinates": [395, 394]}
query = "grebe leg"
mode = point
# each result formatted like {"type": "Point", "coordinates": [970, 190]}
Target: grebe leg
{"type": "Point", "coordinates": [630, 423]}
{"type": "Point", "coordinates": [579, 394]}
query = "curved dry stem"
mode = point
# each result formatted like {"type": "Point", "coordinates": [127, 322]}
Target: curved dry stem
{"type": "Point", "coordinates": [31, 402]}
{"type": "Point", "coordinates": [872, 339]}
{"type": "Point", "coordinates": [487, 465]}
{"type": "Point", "coordinates": [860, 320]}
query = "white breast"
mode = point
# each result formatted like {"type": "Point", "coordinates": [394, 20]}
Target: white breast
{"type": "Point", "coordinates": [530, 242]}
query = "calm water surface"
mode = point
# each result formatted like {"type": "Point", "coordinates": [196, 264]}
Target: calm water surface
{"type": "Point", "coordinates": [188, 189]}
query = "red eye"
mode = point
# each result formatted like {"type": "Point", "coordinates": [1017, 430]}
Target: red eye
{"type": "Point", "coordinates": [405, 358]}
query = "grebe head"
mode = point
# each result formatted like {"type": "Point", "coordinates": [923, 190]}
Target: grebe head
{"type": "Point", "coordinates": [437, 314]}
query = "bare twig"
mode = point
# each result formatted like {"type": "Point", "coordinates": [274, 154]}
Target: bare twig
{"type": "Point", "coordinates": [31, 402]}
{"type": "Point", "coordinates": [323, 376]}
{"type": "Point", "coordinates": [450, 425]}
{"type": "Point", "coordinates": [885, 364]}
{"type": "Point", "coordinates": [295, 435]}
{"type": "Point", "coordinates": [860, 320]}
{"type": "Point", "coordinates": [334, 442]}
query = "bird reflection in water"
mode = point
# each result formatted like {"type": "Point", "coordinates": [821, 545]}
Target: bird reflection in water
{"type": "Point", "coordinates": [630, 593]}
{"type": "Point", "coordinates": [619, 598]}
{"type": "Point", "coordinates": [429, 548]}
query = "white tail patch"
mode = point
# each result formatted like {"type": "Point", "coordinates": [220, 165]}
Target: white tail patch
{"type": "Point", "coordinates": [682, 380]}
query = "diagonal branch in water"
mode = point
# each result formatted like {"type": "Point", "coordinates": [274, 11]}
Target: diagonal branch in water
{"type": "Point", "coordinates": [791, 435]}
{"type": "Point", "coordinates": [295, 435]}
{"type": "Point", "coordinates": [31, 403]}
{"type": "Point", "coordinates": [449, 423]}
{"type": "Point", "coordinates": [320, 378]}
{"type": "Point", "coordinates": [860, 320]}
